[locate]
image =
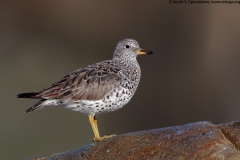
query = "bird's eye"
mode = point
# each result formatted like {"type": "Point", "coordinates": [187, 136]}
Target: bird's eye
{"type": "Point", "coordinates": [127, 46]}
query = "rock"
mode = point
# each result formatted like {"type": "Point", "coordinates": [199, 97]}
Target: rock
{"type": "Point", "coordinates": [200, 140]}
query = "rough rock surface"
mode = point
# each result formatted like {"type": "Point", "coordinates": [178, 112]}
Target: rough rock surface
{"type": "Point", "coordinates": [200, 140]}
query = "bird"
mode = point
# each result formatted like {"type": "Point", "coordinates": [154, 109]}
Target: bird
{"type": "Point", "coordinates": [98, 88]}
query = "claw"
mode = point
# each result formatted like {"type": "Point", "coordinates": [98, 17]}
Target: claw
{"type": "Point", "coordinates": [98, 139]}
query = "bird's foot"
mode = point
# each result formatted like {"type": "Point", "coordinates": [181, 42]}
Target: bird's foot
{"type": "Point", "coordinates": [103, 138]}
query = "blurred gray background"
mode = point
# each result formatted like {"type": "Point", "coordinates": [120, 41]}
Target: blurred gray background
{"type": "Point", "coordinates": [193, 75]}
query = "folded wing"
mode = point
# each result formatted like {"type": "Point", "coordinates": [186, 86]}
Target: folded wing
{"type": "Point", "coordinates": [88, 83]}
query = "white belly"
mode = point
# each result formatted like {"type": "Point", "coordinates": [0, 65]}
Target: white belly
{"type": "Point", "coordinates": [111, 102]}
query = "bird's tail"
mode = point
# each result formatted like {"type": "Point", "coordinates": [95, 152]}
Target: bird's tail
{"type": "Point", "coordinates": [38, 105]}
{"type": "Point", "coordinates": [28, 95]}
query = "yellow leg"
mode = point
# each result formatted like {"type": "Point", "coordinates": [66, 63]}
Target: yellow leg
{"type": "Point", "coordinates": [93, 122]}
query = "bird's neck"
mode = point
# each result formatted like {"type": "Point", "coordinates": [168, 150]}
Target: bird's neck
{"type": "Point", "coordinates": [130, 67]}
{"type": "Point", "coordinates": [127, 62]}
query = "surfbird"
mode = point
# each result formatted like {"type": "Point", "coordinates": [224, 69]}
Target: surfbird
{"type": "Point", "coordinates": [98, 88]}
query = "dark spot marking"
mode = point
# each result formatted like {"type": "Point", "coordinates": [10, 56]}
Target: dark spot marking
{"type": "Point", "coordinates": [97, 106]}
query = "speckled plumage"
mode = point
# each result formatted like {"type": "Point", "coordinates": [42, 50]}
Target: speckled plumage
{"type": "Point", "coordinates": [102, 87]}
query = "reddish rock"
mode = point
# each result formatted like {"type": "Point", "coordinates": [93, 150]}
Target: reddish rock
{"type": "Point", "coordinates": [200, 140]}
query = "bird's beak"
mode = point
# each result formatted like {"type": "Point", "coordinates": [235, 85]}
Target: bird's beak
{"type": "Point", "coordinates": [143, 51]}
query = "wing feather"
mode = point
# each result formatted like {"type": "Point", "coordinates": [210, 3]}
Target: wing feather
{"type": "Point", "coordinates": [89, 83]}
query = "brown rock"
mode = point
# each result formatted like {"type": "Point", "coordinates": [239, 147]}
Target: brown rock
{"type": "Point", "coordinates": [200, 140]}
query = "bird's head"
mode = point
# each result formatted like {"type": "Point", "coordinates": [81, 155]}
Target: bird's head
{"type": "Point", "coordinates": [129, 49]}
